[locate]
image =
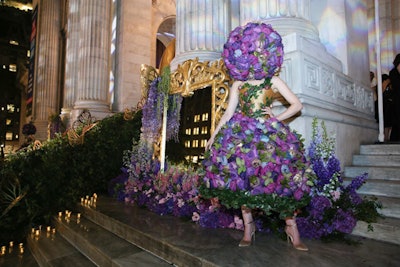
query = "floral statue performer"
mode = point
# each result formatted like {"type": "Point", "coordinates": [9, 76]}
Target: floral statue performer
{"type": "Point", "coordinates": [253, 160]}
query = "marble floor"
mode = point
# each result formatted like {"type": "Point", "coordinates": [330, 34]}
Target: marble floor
{"type": "Point", "coordinates": [219, 247]}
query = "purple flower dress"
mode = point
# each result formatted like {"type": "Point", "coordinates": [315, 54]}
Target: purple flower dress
{"type": "Point", "coordinates": [257, 162]}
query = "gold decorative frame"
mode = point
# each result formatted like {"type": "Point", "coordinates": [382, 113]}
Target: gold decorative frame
{"type": "Point", "coordinates": [193, 75]}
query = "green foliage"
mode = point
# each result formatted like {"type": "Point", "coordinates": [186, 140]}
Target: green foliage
{"type": "Point", "coordinates": [36, 184]}
{"type": "Point", "coordinates": [268, 203]}
{"type": "Point", "coordinates": [367, 211]}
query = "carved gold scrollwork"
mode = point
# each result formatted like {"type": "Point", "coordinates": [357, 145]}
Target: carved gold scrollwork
{"type": "Point", "coordinates": [147, 75]}
{"type": "Point", "coordinates": [80, 127]}
{"type": "Point", "coordinates": [193, 75]}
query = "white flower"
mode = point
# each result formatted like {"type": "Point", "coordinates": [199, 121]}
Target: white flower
{"type": "Point", "coordinates": [297, 178]}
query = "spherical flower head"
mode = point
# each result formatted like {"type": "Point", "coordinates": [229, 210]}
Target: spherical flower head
{"type": "Point", "coordinates": [253, 51]}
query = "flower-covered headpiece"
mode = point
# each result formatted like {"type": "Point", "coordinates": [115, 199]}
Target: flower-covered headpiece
{"type": "Point", "coordinates": [253, 51]}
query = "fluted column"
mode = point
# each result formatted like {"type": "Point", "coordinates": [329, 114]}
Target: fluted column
{"type": "Point", "coordinates": [93, 58]}
{"type": "Point", "coordinates": [71, 59]}
{"type": "Point", "coordinates": [46, 96]}
{"type": "Point", "coordinates": [201, 29]}
{"type": "Point", "coordinates": [288, 16]}
{"type": "Point", "coordinates": [396, 23]}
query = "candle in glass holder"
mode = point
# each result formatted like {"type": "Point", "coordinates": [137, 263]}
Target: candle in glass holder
{"type": "Point", "coordinates": [37, 233]}
{"type": "Point", "coordinates": [3, 250]}
{"type": "Point", "coordinates": [21, 250]}
{"type": "Point", "coordinates": [60, 214]}
{"type": "Point", "coordinates": [11, 244]}
{"type": "Point", "coordinates": [53, 231]}
{"type": "Point", "coordinates": [78, 215]}
{"type": "Point", "coordinates": [48, 228]}
{"type": "Point", "coordinates": [33, 230]}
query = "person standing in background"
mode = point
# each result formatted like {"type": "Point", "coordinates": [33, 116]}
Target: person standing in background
{"type": "Point", "coordinates": [387, 94]}
{"type": "Point", "coordinates": [394, 75]}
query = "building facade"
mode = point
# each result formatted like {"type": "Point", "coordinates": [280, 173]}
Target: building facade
{"type": "Point", "coordinates": [88, 55]}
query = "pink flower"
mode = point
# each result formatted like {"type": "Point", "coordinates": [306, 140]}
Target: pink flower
{"type": "Point", "coordinates": [335, 195]}
{"type": "Point", "coordinates": [195, 217]}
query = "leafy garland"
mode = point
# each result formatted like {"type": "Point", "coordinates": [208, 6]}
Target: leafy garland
{"type": "Point", "coordinates": [252, 92]}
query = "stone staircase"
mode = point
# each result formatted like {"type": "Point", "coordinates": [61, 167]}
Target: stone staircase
{"type": "Point", "coordinates": [382, 163]}
{"type": "Point", "coordinates": [117, 234]}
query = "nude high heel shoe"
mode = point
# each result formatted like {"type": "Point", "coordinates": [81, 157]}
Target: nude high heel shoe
{"type": "Point", "coordinates": [249, 227]}
{"type": "Point", "coordinates": [245, 243]}
{"type": "Point", "coordinates": [299, 245]}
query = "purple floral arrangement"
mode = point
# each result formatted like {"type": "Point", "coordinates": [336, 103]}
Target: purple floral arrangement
{"type": "Point", "coordinates": [152, 112]}
{"type": "Point", "coordinates": [253, 51]}
{"type": "Point", "coordinates": [173, 192]}
{"type": "Point", "coordinates": [154, 107]}
{"type": "Point", "coordinates": [333, 207]}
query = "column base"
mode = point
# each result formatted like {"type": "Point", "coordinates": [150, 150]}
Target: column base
{"type": "Point", "coordinates": [66, 116]}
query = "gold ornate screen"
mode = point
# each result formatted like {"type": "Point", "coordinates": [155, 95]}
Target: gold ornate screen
{"type": "Point", "coordinates": [194, 75]}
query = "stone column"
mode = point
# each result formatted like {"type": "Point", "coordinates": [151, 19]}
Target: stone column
{"type": "Point", "coordinates": [46, 90]}
{"type": "Point", "coordinates": [201, 29]}
{"type": "Point", "coordinates": [396, 25]}
{"type": "Point", "coordinates": [286, 16]}
{"type": "Point", "coordinates": [71, 59]}
{"type": "Point", "coordinates": [94, 63]}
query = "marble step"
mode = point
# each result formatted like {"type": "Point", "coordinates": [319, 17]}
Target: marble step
{"type": "Point", "coordinates": [380, 149]}
{"type": "Point", "coordinates": [103, 247]}
{"type": "Point", "coordinates": [386, 229]}
{"type": "Point", "coordinates": [382, 188]}
{"type": "Point", "coordinates": [52, 250]}
{"type": "Point", "coordinates": [390, 207]}
{"type": "Point", "coordinates": [14, 258]}
{"type": "Point", "coordinates": [374, 173]}
{"type": "Point", "coordinates": [376, 160]}
{"type": "Point", "coordinates": [163, 236]}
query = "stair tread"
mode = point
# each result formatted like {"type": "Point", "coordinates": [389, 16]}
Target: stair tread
{"type": "Point", "coordinates": [376, 149]}
{"type": "Point", "coordinates": [386, 229]}
{"type": "Point", "coordinates": [54, 250]}
{"type": "Point", "coordinates": [104, 247]}
{"type": "Point", "coordinates": [374, 172]}
{"type": "Point", "coordinates": [376, 160]}
{"type": "Point", "coordinates": [14, 259]}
